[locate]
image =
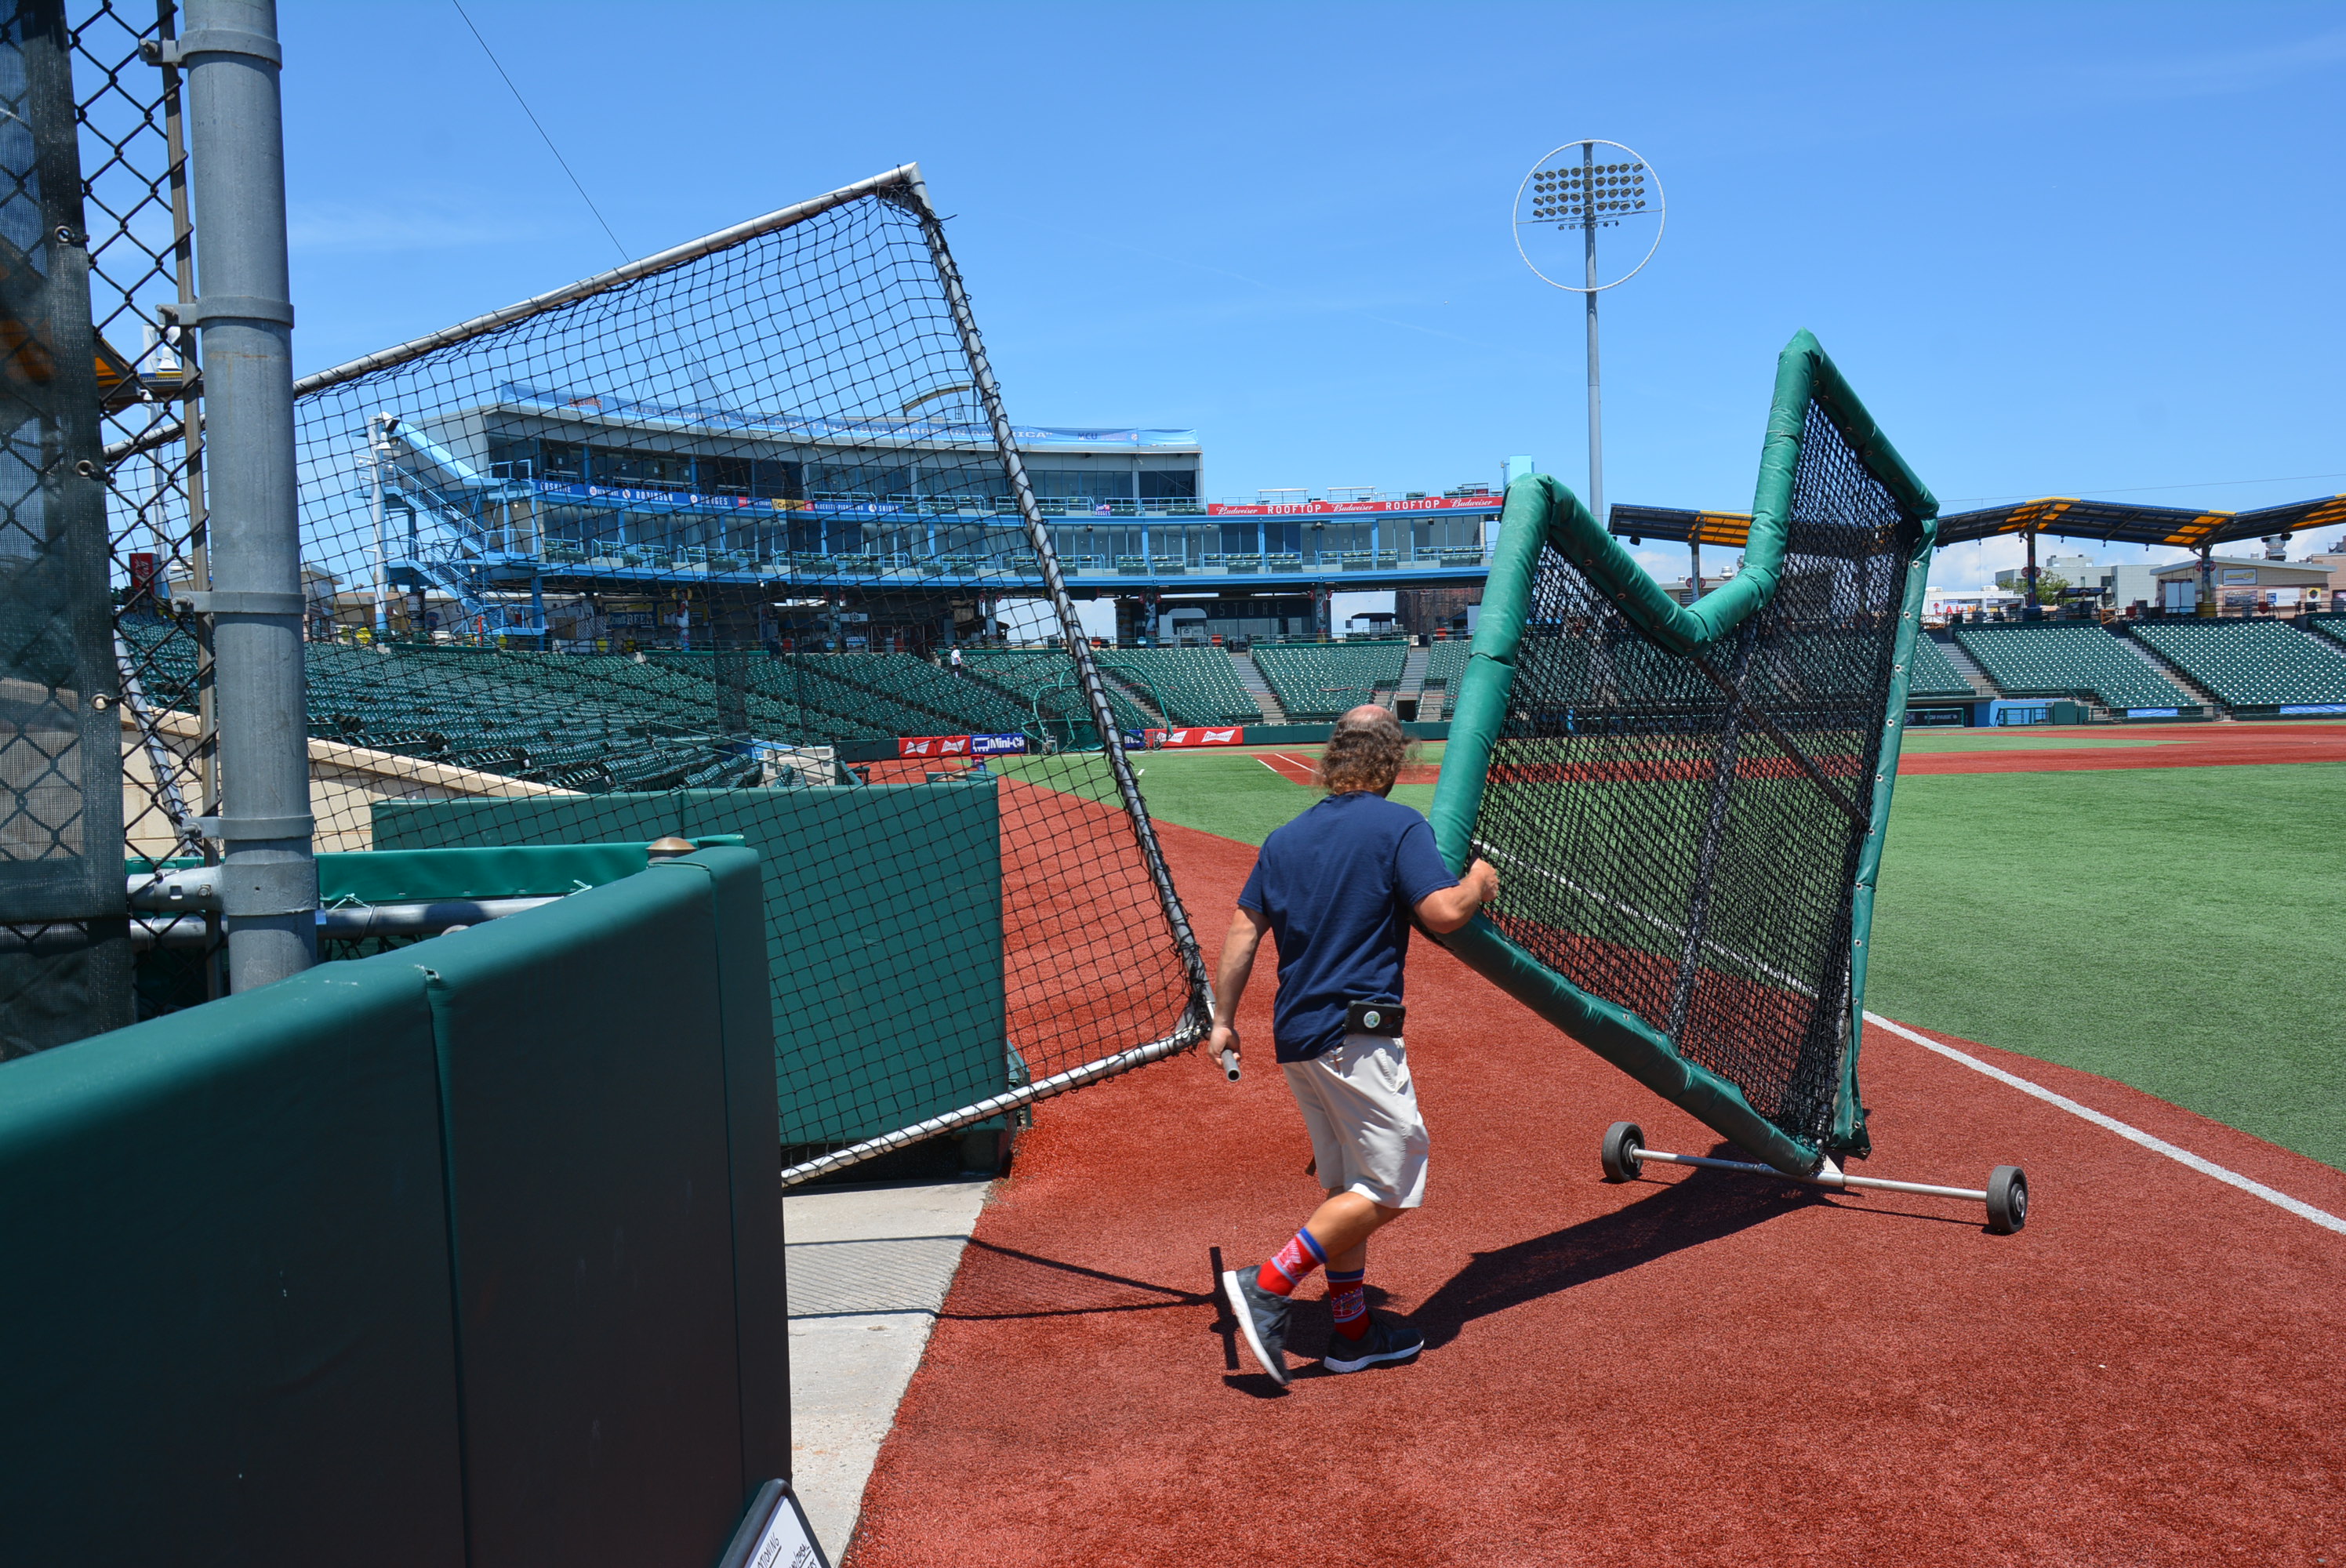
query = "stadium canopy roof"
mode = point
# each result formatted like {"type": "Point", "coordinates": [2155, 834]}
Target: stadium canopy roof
{"type": "Point", "coordinates": [1678, 526]}
{"type": "Point", "coordinates": [2183, 527]}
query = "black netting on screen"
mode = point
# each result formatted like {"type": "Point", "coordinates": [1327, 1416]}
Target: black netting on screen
{"type": "Point", "coordinates": [1679, 836]}
{"type": "Point", "coordinates": [687, 554]}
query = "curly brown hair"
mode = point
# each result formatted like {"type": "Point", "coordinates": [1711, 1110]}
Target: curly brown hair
{"type": "Point", "coordinates": [1364, 753]}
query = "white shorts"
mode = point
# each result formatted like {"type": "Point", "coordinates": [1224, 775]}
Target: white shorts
{"type": "Point", "coordinates": [1361, 1110]}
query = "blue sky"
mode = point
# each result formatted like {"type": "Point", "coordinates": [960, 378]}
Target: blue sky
{"type": "Point", "coordinates": [2074, 250]}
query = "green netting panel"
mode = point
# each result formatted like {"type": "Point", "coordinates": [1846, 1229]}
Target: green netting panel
{"type": "Point", "coordinates": [1686, 805]}
{"type": "Point", "coordinates": [892, 1000]}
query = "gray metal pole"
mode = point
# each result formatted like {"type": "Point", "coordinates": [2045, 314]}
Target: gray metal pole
{"type": "Point", "coordinates": [1596, 402]}
{"type": "Point", "coordinates": [235, 148]}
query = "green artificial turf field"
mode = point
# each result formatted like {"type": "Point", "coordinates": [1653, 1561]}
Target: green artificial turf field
{"type": "Point", "coordinates": [2174, 929]}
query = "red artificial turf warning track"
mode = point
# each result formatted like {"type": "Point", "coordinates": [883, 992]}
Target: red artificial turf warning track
{"type": "Point", "coordinates": [1696, 1369]}
{"type": "Point", "coordinates": [2198, 746]}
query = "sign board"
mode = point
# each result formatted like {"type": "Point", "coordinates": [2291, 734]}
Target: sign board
{"type": "Point", "coordinates": [1484, 501]}
{"type": "Point", "coordinates": [774, 1533]}
{"type": "Point", "coordinates": [961, 745]}
{"type": "Point", "coordinates": [1156, 739]}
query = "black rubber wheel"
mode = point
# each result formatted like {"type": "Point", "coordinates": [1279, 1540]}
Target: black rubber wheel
{"type": "Point", "coordinates": [1625, 1142]}
{"type": "Point", "coordinates": [2007, 1199]}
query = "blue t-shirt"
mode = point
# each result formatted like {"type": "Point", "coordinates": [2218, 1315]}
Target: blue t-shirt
{"type": "Point", "coordinates": [1336, 885]}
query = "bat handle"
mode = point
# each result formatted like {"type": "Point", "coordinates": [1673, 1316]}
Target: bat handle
{"type": "Point", "coordinates": [1230, 1064]}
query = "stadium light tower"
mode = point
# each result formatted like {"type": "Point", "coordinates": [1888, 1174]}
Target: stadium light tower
{"type": "Point", "coordinates": [1578, 191]}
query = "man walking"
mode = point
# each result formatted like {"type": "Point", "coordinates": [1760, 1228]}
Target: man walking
{"type": "Point", "coordinates": [1338, 889]}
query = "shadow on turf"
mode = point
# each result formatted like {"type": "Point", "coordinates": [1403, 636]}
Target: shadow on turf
{"type": "Point", "coordinates": [1000, 1282]}
{"type": "Point", "coordinates": [1707, 1206]}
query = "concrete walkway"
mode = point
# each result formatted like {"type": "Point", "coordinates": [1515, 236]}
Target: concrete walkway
{"type": "Point", "coordinates": [869, 1268]}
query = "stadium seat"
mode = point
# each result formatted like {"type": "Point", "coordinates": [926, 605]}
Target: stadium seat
{"type": "Point", "coordinates": [1188, 686]}
{"type": "Point", "coordinates": [1934, 675]}
{"type": "Point", "coordinates": [1315, 681]}
{"type": "Point", "coordinates": [2251, 663]}
{"type": "Point", "coordinates": [1040, 677]}
{"type": "Point", "coordinates": [2054, 660]}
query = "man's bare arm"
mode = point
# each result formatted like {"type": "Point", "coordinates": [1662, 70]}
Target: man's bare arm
{"type": "Point", "coordinates": [1445, 911]}
{"type": "Point", "coordinates": [1230, 975]}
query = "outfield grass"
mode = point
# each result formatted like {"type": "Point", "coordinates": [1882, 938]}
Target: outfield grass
{"type": "Point", "coordinates": [2174, 929]}
{"type": "Point", "coordinates": [1224, 793]}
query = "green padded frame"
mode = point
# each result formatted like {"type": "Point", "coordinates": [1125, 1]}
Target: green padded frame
{"type": "Point", "coordinates": [1540, 511]}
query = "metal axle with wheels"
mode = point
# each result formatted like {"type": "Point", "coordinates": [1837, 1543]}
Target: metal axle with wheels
{"type": "Point", "coordinates": [1625, 1153]}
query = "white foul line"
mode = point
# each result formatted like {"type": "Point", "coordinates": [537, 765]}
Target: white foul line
{"type": "Point", "coordinates": [2320, 1216]}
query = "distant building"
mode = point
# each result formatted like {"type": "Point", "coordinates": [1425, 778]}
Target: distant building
{"type": "Point", "coordinates": [2078, 571]}
{"type": "Point", "coordinates": [2243, 583]}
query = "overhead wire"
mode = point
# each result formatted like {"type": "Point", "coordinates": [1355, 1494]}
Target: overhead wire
{"type": "Point", "coordinates": [533, 120]}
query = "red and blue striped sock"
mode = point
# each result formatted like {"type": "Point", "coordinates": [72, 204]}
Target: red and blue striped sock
{"type": "Point", "coordinates": [1346, 1303]}
{"type": "Point", "coordinates": [1292, 1265]}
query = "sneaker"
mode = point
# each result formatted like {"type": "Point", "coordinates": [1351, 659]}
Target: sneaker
{"type": "Point", "coordinates": [1262, 1319]}
{"type": "Point", "coordinates": [1384, 1341]}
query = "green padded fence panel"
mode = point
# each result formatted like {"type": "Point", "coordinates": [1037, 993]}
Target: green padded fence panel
{"type": "Point", "coordinates": [226, 1288]}
{"type": "Point", "coordinates": [543, 870]}
{"type": "Point", "coordinates": [761, 1290]}
{"type": "Point", "coordinates": [582, 1053]}
{"type": "Point", "coordinates": [883, 926]}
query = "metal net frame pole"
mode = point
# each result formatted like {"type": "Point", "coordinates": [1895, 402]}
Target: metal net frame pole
{"type": "Point", "coordinates": [916, 197]}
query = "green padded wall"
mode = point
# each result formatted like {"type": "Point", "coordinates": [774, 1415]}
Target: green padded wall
{"type": "Point", "coordinates": [470, 1253]}
{"type": "Point", "coordinates": [883, 926]}
{"type": "Point", "coordinates": [582, 1055]}
{"type": "Point", "coordinates": [760, 1290]}
{"type": "Point", "coordinates": [226, 1288]}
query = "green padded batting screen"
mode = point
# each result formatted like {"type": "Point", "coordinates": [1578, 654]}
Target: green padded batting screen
{"type": "Point", "coordinates": [1685, 804]}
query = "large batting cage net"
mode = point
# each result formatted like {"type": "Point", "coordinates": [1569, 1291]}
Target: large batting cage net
{"type": "Point", "coordinates": [682, 549]}
{"type": "Point", "coordinates": [1681, 812]}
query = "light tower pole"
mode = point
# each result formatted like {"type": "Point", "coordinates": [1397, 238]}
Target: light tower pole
{"type": "Point", "coordinates": [1570, 196]}
{"type": "Point", "coordinates": [1596, 386]}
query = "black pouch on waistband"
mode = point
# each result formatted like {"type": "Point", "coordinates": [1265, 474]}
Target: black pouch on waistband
{"type": "Point", "coordinates": [1373, 1017]}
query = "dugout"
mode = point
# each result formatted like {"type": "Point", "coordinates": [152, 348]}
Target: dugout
{"type": "Point", "coordinates": [465, 1254]}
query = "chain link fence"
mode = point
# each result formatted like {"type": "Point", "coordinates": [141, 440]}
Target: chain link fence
{"type": "Point", "coordinates": [142, 260]}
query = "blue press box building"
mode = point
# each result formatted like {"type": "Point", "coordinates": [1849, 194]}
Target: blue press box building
{"type": "Point", "coordinates": [546, 516]}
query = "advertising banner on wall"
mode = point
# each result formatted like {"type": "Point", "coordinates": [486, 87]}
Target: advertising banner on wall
{"type": "Point", "coordinates": [961, 745]}
{"type": "Point", "coordinates": [1157, 739]}
{"type": "Point", "coordinates": [1484, 501]}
